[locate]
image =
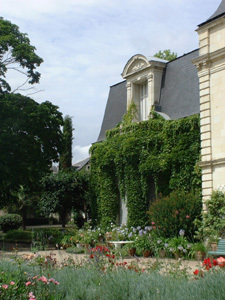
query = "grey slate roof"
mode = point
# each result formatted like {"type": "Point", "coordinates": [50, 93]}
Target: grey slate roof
{"type": "Point", "coordinates": [179, 94]}
{"type": "Point", "coordinates": [218, 13]}
{"type": "Point", "coordinates": [180, 87]}
{"type": "Point", "coordinates": [116, 107]}
{"type": "Point", "coordinates": [80, 164]}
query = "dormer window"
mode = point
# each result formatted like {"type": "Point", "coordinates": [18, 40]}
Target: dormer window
{"type": "Point", "coordinates": [143, 76]}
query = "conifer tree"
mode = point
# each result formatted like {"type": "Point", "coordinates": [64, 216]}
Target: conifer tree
{"type": "Point", "coordinates": [65, 162]}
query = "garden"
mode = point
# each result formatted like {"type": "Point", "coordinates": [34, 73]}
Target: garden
{"type": "Point", "coordinates": [104, 275]}
{"type": "Point", "coordinates": [107, 272]}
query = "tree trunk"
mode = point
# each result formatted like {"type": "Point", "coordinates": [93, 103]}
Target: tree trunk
{"type": "Point", "coordinates": [24, 216]}
{"type": "Point", "coordinates": [63, 218]}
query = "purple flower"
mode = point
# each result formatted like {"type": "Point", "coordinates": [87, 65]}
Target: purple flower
{"type": "Point", "coordinates": [141, 232]}
{"type": "Point", "coordinates": [130, 234]}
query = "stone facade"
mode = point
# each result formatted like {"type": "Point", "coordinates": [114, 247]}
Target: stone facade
{"type": "Point", "coordinates": [211, 71]}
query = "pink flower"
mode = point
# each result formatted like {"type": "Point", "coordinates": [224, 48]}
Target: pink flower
{"type": "Point", "coordinates": [54, 281]}
{"type": "Point", "coordinates": [12, 282]}
{"type": "Point", "coordinates": [221, 261]}
{"type": "Point", "coordinates": [28, 283]}
{"type": "Point", "coordinates": [153, 223]}
{"type": "Point", "coordinates": [43, 279]}
{"type": "Point", "coordinates": [31, 295]}
{"type": "Point", "coordinates": [187, 217]}
{"type": "Point", "coordinates": [5, 286]}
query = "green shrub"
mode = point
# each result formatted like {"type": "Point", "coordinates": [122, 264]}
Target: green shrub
{"type": "Point", "coordinates": [178, 211]}
{"type": "Point", "coordinates": [18, 235]}
{"type": "Point", "coordinates": [51, 235]}
{"type": "Point", "coordinates": [212, 225]}
{"type": "Point", "coordinates": [10, 221]}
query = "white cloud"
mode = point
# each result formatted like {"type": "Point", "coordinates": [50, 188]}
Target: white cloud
{"type": "Point", "coordinates": [80, 153]}
{"type": "Point", "coordinates": [85, 45]}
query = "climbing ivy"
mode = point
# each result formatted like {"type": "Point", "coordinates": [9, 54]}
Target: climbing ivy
{"type": "Point", "coordinates": [137, 158]}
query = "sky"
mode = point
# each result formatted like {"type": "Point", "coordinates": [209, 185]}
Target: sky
{"type": "Point", "coordinates": [85, 45]}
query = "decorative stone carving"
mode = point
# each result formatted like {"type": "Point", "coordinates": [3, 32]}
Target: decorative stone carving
{"type": "Point", "coordinates": [138, 66]}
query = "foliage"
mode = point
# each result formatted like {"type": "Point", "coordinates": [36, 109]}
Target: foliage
{"type": "Point", "coordinates": [65, 162]}
{"type": "Point", "coordinates": [159, 243]}
{"type": "Point", "coordinates": [137, 159]}
{"type": "Point", "coordinates": [178, 210]}
{"type": "Point", "coordinates": [10, 221]}
{"type": "Point", "coordinates": [179, 246]}
{"type": "Point", "coordinates": [16, 53]}
{"type": "Point", "coordinates": [166, 54]}
{"type": "Point", "coordinates": [62, 192]}
{"type": "Point", "coordinates": [18, 235]}
{"type": "Point", "coordinates": [30, 139]}
{"type": "Point", "coordinates": [143, 243]}
{"type": "Point", "coordinates": [198, 247]}
{"type": "Point", "coordinates": [130, 116]}
{"type": "Point", "coordinates": [212, 225]}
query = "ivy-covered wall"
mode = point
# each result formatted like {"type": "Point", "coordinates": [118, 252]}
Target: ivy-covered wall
{"type": "Point", "coordinates": [136, 154]}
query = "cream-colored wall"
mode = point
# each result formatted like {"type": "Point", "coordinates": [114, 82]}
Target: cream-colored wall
{"type": "Point", "coordinates": [217, 88]}
{"type": "Point", "coordinates": [211, 72]}
{"type": "Point", "coordinates": [217, 36]}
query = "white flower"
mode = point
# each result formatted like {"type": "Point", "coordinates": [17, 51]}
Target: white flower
{"type": "Point", "coordinates": [181, 232]}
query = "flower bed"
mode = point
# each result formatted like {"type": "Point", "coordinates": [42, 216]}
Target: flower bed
{"type": "Point", "coordinates": [103, 276]}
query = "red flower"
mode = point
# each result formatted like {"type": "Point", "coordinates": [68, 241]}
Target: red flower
{"type": "Point", "coordinates": [215, 262]}
{"type": "Point", "coordinates": [91, 256]}
{"type": "Point", "coordinates": [196, 272]}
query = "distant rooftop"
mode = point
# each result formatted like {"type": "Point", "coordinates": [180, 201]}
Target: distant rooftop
{"type": "Point", "coordinates": [80, 164]}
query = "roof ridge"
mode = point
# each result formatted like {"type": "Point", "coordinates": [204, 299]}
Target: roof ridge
{"type": "Point", "coordinates": [217, 14]}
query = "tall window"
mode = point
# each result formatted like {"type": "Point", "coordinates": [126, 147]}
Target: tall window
{"type": "Point", "coordinates": [144, 107]}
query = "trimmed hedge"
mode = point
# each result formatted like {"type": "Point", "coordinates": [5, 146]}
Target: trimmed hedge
{"type": "Point", "coordinates": [10, 221]}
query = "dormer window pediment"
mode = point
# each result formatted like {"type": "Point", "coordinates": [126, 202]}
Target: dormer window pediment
{"type": "Point", "coordinates": [136, 66]}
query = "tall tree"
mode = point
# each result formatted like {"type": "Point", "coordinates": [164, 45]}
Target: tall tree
{"type": "Point", "coordinates": [30, 140]}
{"type": "Point", "coordinates": [65, 162]}
{"type": "Point", "coordinates": [62, 192]}
{"type": "Point", "coordinates": [16, 53]}
{"type": "Point", "coordinates": [166, 54]}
